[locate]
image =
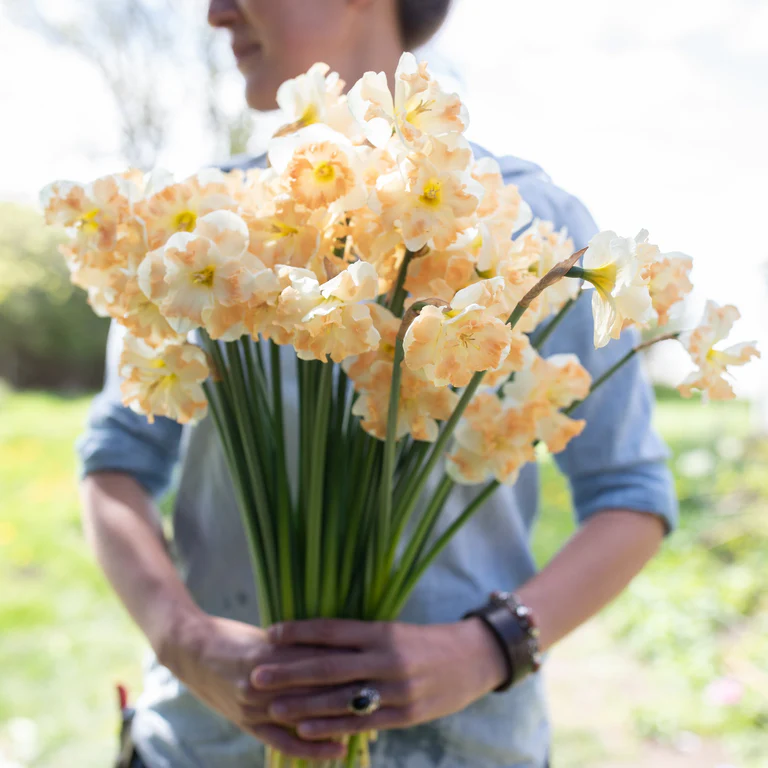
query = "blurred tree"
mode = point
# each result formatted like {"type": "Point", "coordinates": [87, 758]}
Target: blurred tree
{"type": "Point", "coordinates": [49, 336]}
{"type": "Point", "coordinates": [146, 51]}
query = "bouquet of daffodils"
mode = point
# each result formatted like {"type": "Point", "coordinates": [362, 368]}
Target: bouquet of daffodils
{"type": "Point", "coordinates": [391, 261]}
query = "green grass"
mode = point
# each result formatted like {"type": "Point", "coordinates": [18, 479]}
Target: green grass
{"type": "Point", "coordinates": [64, 641]}
{"type": "Point", "coordinates": [693, 615]}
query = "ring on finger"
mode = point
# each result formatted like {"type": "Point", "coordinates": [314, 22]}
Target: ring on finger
{"type": "Point", "coordinates": [365, 702]}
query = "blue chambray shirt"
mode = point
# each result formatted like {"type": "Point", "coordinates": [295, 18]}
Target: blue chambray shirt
{"type": "Point", "coordinates": [617, 462]}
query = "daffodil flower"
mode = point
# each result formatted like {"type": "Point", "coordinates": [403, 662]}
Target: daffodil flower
{"type": "Point", "coordinates": [206, 277]}
{"type": "Point", "coordinates": [449, 345]}
{"type": "Point", "coordinates": [491, 440]}
{"type": "Point", "coordinates": [621, 294]}
{"type": "Point", "coordinates": [712, 364]}
{"type": "Point", "coordinates": [420, 111]}
{"type": "Point", "coordinates": [546, 386]}
{"type": "Point", "coordinates": [165, 380]}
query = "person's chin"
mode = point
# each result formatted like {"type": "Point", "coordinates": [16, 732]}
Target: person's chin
{"type": "Point", "coordinates": [260, 90]}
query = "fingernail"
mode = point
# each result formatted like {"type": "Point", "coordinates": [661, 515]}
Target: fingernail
{"type": "Point", "coordinates": [274, 633]}
{"type": "Point", "coordinates": [279, 710]}
{"type": "Point", "coordinates": [263, 677]}
{"type": "Point", "coordinates": [305, 729]}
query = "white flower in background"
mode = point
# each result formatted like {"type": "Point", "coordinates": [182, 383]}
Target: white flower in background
{"type": "Point", "coordinates": [712, 364]}
{"type": "Point", "coordinates": [420, 110]}
{"type": "Point", "coordinates": [316, 96]}
{"type": "Point", "coordinates": [621, 294]}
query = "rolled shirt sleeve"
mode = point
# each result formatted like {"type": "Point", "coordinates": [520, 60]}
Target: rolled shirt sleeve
{"type": "Point", "coordinates": [118, 440]}
{"type": "Point", "coordinates": [619, 460]}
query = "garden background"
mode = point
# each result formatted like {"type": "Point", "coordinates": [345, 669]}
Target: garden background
{"type": "Point", "coordinates": [654, 115]}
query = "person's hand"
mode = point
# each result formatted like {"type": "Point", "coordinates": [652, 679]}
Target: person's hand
{"type": "Point", "coordinates": [214, 658]}
{"type": "Point", "coordinates": [421, 672]}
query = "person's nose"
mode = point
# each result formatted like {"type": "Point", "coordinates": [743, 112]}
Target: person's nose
{"type": "Point", "coordinates": [223, 13]}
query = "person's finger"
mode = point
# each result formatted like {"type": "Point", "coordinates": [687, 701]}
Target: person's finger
{"type": "Point", "coordinates": [247, 695]}
{"type": "Point", "coordinates": [334, 727]}
{"type": "Point", "coordinates": [291, 709]}
{"type": "Point", "coordinates": [289, 744]}
{"type": "Point", "coordinates": [339, 633]}
{"type": "Point", "coordinates": [323, 671]}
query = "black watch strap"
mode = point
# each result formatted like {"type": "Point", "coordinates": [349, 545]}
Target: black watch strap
{"type": "Point", "coordinates": [512, 626]}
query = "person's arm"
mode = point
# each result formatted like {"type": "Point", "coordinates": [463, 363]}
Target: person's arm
{"type": "Point", "coordinates": [212, 656]}
{"type": "Point", "coordinates": [408, 663]}
{"type": "Point", "coordinates": [125, 461]}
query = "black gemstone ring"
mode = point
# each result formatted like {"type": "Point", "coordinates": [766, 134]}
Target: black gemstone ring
{"type": "Point", "coordinates": [365, 702]}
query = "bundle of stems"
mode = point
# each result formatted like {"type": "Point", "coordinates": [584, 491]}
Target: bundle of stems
{"type": "Point", "coordinates": [329, 546]}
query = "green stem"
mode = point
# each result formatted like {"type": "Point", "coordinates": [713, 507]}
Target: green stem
{"type": "Point", "coordinates": [597, 383]}
{"type": "Point", "coordinates": [399, 293]}
{"type": "Point", "coordinates": [577, 273]}
{"type": "Point", "coordinates": [216, 394]}
{"type": "Point", "coordinates": [540, 337]}
{"type": "Point", "coordinates": [384, 516]}
{"type": "Point", "coordinates": [315, 495]}
{"type": "Point", "coordinates": [418, 539]}
{"type": "Point", "coordinates": [284, 506]}
{"type": "Point", "coordinates": [258, 481]}
{"type": "Point", "coordinates": [418, 571]}
{"type": "Point", "coordinates": [362, 473]}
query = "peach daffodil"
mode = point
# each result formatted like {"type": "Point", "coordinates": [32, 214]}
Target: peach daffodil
{"type": "Point", "coordinates": [320, 168]}
{"type": "Point", "coordinates": [199, 276]}
{"type": "Point", "coordinates": [164, 381]}
{"type": "Point", "coordinates": [712, 364]}
{"type": "Point", "coordinates": [550, 384]}
{"type": "Point", "coordinates": [420, 110]}
{"type": "Point", "coordinates": [450, 344]}
{"type": "Point", "coordinates": [491, 440]}
{"type": "Point", "coordinates": [421, 406]}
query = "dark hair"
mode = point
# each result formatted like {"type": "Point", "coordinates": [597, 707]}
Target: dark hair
{"type": "Point", "coordinates": [420, 20]}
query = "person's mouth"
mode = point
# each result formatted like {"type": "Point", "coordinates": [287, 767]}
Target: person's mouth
{"type": "Point", "coordinates": [244, 50]}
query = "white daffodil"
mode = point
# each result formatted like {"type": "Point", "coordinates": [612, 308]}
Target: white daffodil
{"type": "Point", "coordinates": [621, 294]}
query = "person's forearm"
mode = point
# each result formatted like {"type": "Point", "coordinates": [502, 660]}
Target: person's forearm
{"type": "Point", "coordinates": [122, 527]}
{"type": "Point", "coordinates": [594, 567]}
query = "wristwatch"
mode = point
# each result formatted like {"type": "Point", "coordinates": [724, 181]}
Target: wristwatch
{"type": "Point", "coordinates": [513, 626]}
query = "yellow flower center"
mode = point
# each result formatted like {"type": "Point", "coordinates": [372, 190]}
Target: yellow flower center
{"type": "Point", "coordinates": [185, 221]}
{"type": "Point", "coordinates": [324, 173]}
{"type": "Point", "coordinates": [432, 193]}
{"type": "Point", "coordinates": [309, 117]}
{"type": "Point", "coordinates": [157, 363]}
{"type": "Point", "coordinates": [204, 277]}
{"type": "Point", "coordinates": [88, 221]}
{"type": "Point", "coordinates": [281, 229]}
{"type": "Point", "coordinates": [485, 274]}
{"type": "Point", "coordinates": [419, 109]}
{"type": "Point", "coordinates": [603, 278]}
{"type": "Point", "coordinates": [166, 382]}
{"type": "Point", "coordinates": [466, 339]}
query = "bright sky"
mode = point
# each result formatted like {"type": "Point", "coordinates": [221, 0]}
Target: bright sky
{"type": "Point", "coordinates": [654, 113]}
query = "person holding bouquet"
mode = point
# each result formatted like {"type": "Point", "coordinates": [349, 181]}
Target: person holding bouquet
{"type": "Point", "coordinates": [438, 685]}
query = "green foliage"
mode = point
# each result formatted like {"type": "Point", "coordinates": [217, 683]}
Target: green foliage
{"type": "Point", "coordinates": [64, 640]}
{"type": "Point", "coordinates": [49, 336]}
{"type": "Point", "coordinates": [699, 612]}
